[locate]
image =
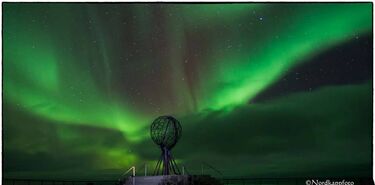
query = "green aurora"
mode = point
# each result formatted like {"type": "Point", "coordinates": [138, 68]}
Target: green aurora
{"type": "Point", "coordinates": [82, 83]}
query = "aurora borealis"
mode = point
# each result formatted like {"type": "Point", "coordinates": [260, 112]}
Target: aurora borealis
{"type": "Point", "coordinates": [261, 89]}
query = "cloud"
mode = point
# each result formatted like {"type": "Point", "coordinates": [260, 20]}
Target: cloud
{"type": "Point", "coordinates": [33, 145]}
{"type": "Point", "coordinates": [325, 132]}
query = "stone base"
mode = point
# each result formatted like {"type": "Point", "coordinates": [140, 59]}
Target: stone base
{"type": "Point", "coordinates": [172, 180]}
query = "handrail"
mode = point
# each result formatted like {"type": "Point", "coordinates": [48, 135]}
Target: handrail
{"type": "Point", "coordinates": [133, 175]}
{"type": "Point", "coordinates": [132, 168]}
{"type": "Point", "coordinates": [216, 170]}
{"type": "Point", "coordinates": [143, 167]}
{"type": "Point", "coordinates": [228, 180]}
{"type": "Point", "coordinates": [185, 169]}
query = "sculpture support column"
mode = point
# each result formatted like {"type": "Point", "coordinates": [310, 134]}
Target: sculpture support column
{"type": "Point", "coordinates": [166, 160]}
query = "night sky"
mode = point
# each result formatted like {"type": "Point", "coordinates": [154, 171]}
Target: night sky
{"type": "Point", "coordinates": [261, 90]}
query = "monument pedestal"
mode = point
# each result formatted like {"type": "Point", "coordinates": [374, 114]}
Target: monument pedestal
{"type": "Point", "coordinates": [172, 180]}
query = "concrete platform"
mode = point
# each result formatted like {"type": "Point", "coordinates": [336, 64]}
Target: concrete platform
{"type": "Point", "coordinates": [172, 180]}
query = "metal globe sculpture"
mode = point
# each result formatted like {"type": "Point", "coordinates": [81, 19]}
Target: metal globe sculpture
{"type": "Point", "coordinates": [165, 131]}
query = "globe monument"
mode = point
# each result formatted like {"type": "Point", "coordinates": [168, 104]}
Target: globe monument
{"type": "Point", "coordinates": [165, 132]}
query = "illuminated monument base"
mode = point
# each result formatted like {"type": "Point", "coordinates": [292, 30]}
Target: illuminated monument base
{"type": "Point", "coordinates": [172, 180]}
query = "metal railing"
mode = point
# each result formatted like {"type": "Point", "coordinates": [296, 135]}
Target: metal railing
{"type": "Point", "coordinates": [122, 179]}
{"type": "Point", "coordinates": [295, 181]}
{"type": "Point", "coordinates": [225, 181]}
{"type": "Point", "coordinates": [7, 181]}
{"type": "Point", "coordinates": [212, 168]}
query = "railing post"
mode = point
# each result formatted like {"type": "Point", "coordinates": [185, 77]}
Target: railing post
{"type": "Point", "coordinates": [145, 169]}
